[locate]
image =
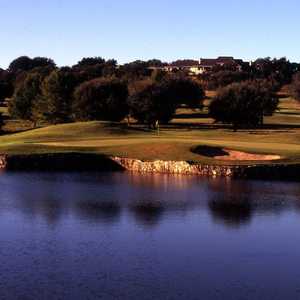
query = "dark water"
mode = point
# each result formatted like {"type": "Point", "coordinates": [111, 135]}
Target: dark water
{"type": "Point", "coordinates": [123, 236]}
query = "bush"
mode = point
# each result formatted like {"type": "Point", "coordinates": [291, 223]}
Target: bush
{"type": "Point", "coordinates": [101, 99]}
{"type": "Point", "coordinates": [244, 104]}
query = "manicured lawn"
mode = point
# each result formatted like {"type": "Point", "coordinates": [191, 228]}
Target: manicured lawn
{"type": "Point", "coordinates": [281, 135]}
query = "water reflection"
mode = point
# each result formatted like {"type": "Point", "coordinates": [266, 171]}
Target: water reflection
{"type": "Point", "coordinates": [129, 236]}
{"type": "Point", "coordinates": [147, 213]}
{"type": "Point", "coordinates": [148, 199]}
{"type": "Point", "coordinates": [106, 212]}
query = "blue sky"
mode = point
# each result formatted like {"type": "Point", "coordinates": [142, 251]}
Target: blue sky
{"type": "Point", "coordinates": [67, 30]}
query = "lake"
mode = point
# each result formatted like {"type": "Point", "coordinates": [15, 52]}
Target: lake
{"type": "Point", "coordinates": [131, 236]}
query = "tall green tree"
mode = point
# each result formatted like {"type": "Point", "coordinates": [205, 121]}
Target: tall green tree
{"type": "Point", "coordinates": [27, 92]}
{"type": "Point", "coordinates": [55, 101]}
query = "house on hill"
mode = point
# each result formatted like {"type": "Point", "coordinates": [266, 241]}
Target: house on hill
{"type": "Point", "coordinates": [196, 67]}
{"type": "Point", "coordinates": [207, 64]}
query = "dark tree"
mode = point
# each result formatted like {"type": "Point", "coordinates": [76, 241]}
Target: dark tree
{"type": "Point", "coordinates": [93, 67]}
{"type": "Point", "coordinates": [101, 99]}
{"type": "Point", "coordinates": [184, 91]}
{"type": "Point", "coordinates": [156, 63]}
{"type": "Point", "coordinates": [25, 63]}
{"type": "Point", "coordinates": [55, 102]}
{"type": "Point", "coordinates": [221, 78]}
{"type": "Point", "coordinates": [280, 70]}
{"type": "Point", "coordinates": [134, 70]}
{"type": "Point", "coordinates": [244, 104]}
{"type": "Point", "coordinates": [159, 101]}
{"type": "Point", "coordinates": [6, 85]}
{"type": "Point", "coordinates": [295, 87]}
{"type": "Point", "coordinates": [154, 103]}
{"type": "Point", "coordinates": [91, 61]}
{"type": "Point", "coordinates": [1, 121]}
{"type": "Point", "coordinates": [22, 63]}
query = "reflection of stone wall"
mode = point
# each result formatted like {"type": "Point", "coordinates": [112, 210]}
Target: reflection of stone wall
{"type": "Point", "coordinates": [3, 161]}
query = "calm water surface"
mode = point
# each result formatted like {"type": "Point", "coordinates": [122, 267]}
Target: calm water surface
{"type": "Point", "coordinates": [124, 236]}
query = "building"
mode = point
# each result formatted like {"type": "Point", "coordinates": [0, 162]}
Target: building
{"type": "Point", "coordinates": [197, 67]}
{"type": "Point", "coordinates": [207, 64]}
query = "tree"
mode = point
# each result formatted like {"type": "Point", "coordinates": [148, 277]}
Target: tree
{"type": "Point", "coordinates": [20, 106]}
{"type": "Point", "coordinates": [55, 101]}
{"type": "Point", "coordinates": [244, 104]}
{"type": "Point", "coordinates": [152, 104]}
{"type": "Point", "coordinates": [216, 79]}
{"type": "Point", "coordinates": [1, 121]}
{"type": "Point", "coordinates": [184, 91]}
{"type": "Point", "coordinates": [25, 63]}
{"type": "Point", "coordinates": [295, 87]}
{"type": "Point", "coordinates": [159, 101]}
{"type": "Point", "coordinates": [27, 93]}
{"type": "Point", "coordinates": [135, 70]}
{"type": "Point", "coordinates": [93, 67]}
{"type": "Point", "coordinates": [101, 99]}
{"type": "Point", "coordinates": [280, 70]}
{"type": "Point", "coordinates": [6, 86]}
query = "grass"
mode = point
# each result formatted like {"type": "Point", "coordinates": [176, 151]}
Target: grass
{"type": "Point", "coordinates": [280, 135]}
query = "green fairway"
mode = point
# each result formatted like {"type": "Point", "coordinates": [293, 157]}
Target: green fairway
{"type": "Point", "coordinates": [281, 136]}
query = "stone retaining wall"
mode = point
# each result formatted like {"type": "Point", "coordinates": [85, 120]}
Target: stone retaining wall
{"type": "Point", "coordinates": [260, 171]}
{"type": "Point", "coordinates": [176, 167]}
{"type": "Point", "coordinates": [95, 162]}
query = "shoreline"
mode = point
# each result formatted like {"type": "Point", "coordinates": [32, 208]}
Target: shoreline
{"type": "Point", "coordinates": [73, 161]}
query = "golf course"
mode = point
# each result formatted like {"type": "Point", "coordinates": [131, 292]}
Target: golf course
{"type": "Point", "coordinates": [178, 141]}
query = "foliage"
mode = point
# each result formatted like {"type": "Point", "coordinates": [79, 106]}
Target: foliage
{"type": "Point", "coordinates": [93, 67]}
{"type": "Point", "coordinates": [6, 86]}
{"type": "Point", "coordinates": [55, 101]}
{"type": "Point", "coordinates": [221, 78]}
{"type": "Point", "coordinates": [243, 104]}
{"type": "Point", "coordinates": [159, 100]}
{"type": "Point", "coordinates": [101, 99]}
{"type": "Point", "coordinates": [295, 87]}
{"type": "Point", "coordinates": [134, 70]}
{"type": "Point", "coordinates": [27, 93]}
{"type": "Point", "coordinates": [185, 91]}
{"type": "Point", "coordinates": [280, 70]}
{"type": "Point", "coordinates": [1, 121]}
{"type": "Point", "coordinates": [25, 63]}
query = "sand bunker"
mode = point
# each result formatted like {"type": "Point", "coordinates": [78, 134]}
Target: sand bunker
{"type": "Point", "coordinates": [238, 155]}
{"type": "Point", "coordinates": [227, 154]}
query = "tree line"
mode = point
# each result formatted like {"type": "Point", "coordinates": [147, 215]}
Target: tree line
{"type": "Point", "coordinates": [99, 89]}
